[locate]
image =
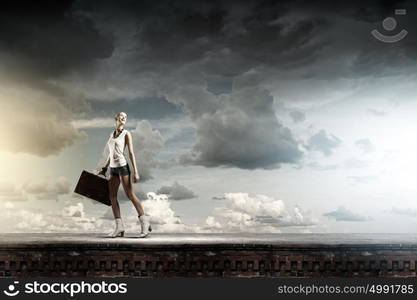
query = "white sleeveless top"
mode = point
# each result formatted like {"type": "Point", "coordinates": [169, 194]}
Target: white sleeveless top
{"type": "Point", "coordinates": [116, 149]}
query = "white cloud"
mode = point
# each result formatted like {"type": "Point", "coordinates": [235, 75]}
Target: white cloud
{"type": "Point", "coordinates": [344, 214]}
{"type": "Point", "coordinates": [244, 214]}
{"type": "Point", "coordinates": [259, 213]}
{"type": "Point", "coordinates": [76, 210]}
{"type": "Point", "coordinates": [71, 218]}
{"type": "Point", "coordinates": [162, 217]}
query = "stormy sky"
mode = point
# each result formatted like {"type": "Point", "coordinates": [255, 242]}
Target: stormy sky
{"type": "Point", "coordinates": [246, 116]}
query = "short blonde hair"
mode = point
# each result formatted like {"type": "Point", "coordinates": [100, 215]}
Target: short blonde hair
{"type": "Point", "coordinates": [117, 115]}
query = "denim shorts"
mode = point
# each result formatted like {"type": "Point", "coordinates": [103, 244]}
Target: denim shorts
{"type": "Point", "coordinates": [124, 170]}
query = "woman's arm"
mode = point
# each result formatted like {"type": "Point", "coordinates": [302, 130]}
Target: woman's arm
{"type": "Point", "coordinates": [131, 153]}
{"type": "Point", "coordinates": [104, 168]}
{"type": "Point", "coordinates": [107, 162]}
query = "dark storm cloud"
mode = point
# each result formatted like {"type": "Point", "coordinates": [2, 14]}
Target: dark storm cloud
{"type": "Point", "coordinates": [323, 142]}
{"type": "Point", "coordinates": [245, 133]}
{"type": "Point", "coordinates": [40, 44]}
{"type": "Point", "coordinates": [224, 39]}
{"type": "Point", "coordinates": [146, 108]}
{"type": "Point", "coordinates": [230, 38]}
{"type": "Point", "coordinates": [348, 44]}
{"type": "Point", "coordinates": [195, 52]}
{"type": "Point", "coordinates": [219, 84]}
{"type": "Point", "coordinates": [48, 191]}
{"type": "Point", "coordinates": [176, 192]}
{"type": "Point", "coordinates": [46, 40]}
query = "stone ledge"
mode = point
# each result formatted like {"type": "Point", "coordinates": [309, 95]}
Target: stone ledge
{"type": "Point", "coordinates": [208, 255]}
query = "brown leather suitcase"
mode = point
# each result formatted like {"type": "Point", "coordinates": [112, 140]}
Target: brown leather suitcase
{"type": "Point", "coordinates": [94, 187]}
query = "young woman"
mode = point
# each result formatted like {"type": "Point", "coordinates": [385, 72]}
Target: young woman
{"type": "Point", "coordinates": [120, 172]}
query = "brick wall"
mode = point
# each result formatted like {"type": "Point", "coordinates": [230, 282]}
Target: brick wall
{"type": "Point", "coordinates": [207, 261]}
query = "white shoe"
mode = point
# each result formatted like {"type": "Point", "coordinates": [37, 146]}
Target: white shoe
{"type": "Point", "coordinates": [119, 230]}
{"type": "Point", "coordinates": [145, 225]}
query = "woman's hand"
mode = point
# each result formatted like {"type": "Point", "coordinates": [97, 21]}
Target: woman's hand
{"type": "Point", "coordinates": [136, 177]}
{"type": "Point", "coordinates": [102, 172]}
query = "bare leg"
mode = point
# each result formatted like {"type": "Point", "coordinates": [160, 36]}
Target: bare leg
{"type": "Point", "coordinates": [114, 183]}
{"type": "Point", "coordinates": [127, 185]}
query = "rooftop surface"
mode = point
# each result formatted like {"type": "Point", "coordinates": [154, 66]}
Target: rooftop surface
{"type": "Point", "coordinates": [181, 239]}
